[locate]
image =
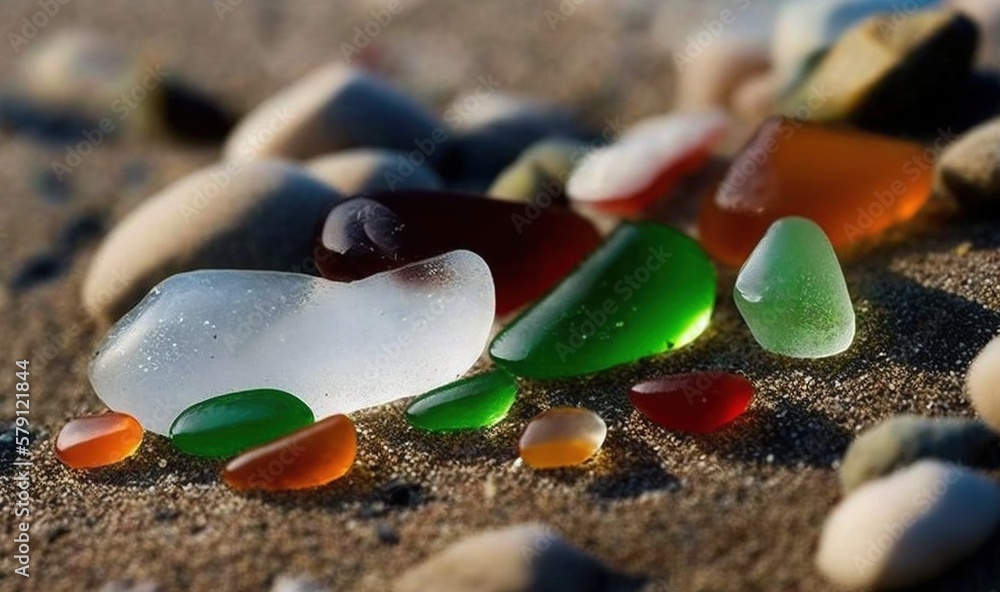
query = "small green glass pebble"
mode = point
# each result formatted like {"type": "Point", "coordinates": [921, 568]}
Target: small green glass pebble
{"type": "Point", "coordinates": [792, 294]}
{"type": "Point", "coordinates": [468, 404]}
{"type": "Point", "coordinates": [646, 290]}
{"type": "Point", "coordinates": [229, 424]}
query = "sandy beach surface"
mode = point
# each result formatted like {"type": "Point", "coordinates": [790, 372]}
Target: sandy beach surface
{"type": "Point", "coordinates": [736, 511]}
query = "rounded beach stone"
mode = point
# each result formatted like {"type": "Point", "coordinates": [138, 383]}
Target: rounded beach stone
{"type": "Point", "coordinates": [986, 14]}
{"type": "Point", "coordinates": [969, 170]}
{"type": "Point", "coordinates": [905, 439]}
{"type": "Point", "coordinates": [562, 437]}
{"type": "Point", "coordinates": [540, 173]}
{"type": "Point", "coordinates": [256, 216]}
{"type": "Point", "coordinates": [712, 79]}
{"type": "Point", "coordinates": [336, 107]}
{"type": "Point", "coordinates": [902, 529]}
{"type": "Point", "coordinates": [983, 383]}
{"type": "Point", "coordinates": [805, 29]}
{"type": "Point", "coordinates": [76, 80]}
{"type": "Point", "coordinates": [310, 457]}
{"type": "Point", "coordinates": [521, 558]}
{"type": "Point", "coordinates": [83, 74]}
{"type": "Point", "coordinates": [492, 130]}
{"type": "Point", "coordinates": [368, 170]}
{"type": "Point", "coordinates": [892, 77]}
{"type": "Point", "coordinates": [98, 440]}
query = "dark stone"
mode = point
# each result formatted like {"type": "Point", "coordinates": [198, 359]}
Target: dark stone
{"type": "Point", "coordinates": [386, 534]}
{"type": "Point", "coordinates": [37, 270]}
{"type": "Point", "coordinates": [192, 116]}
{"type": "Point", "coordinates": [901, 78]}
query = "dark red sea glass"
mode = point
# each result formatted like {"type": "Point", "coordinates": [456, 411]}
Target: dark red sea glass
{"type": "Point", "coordinates": [699, 402]}
{"type": "Point", "coordinates": [529, 248]}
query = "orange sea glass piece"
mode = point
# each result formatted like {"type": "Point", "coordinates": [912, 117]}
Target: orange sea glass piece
{"type": "Point", "coordinates": [853, 184]}
{"type": "Point", "coordinates": [312, 456]}
{"type": "Point", "coordinates": [562, 437]}
{"type": "Point", "coordinates": [98, 440]}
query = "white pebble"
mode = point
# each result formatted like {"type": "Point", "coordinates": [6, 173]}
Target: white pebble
{"type": "Point", "coordinates": [335, 107]}
{"type": "Point", "coordinates": [983, 383]}
{"type": "Point", "coordinates": [261, 215]}
{"type": "Point", "coordinates": [907, 527]}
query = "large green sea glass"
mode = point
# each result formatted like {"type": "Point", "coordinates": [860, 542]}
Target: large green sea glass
{"type": "Point", "coordinates": [646, 290]}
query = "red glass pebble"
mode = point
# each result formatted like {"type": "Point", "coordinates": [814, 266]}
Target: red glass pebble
{"type": "Point", "coordinates": [698, 402]}
{"type": "Point", "coordinates": [529, 247]}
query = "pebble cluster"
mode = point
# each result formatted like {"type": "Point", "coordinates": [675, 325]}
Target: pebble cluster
{"type": "Point", "coordinates": [259, 302]}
